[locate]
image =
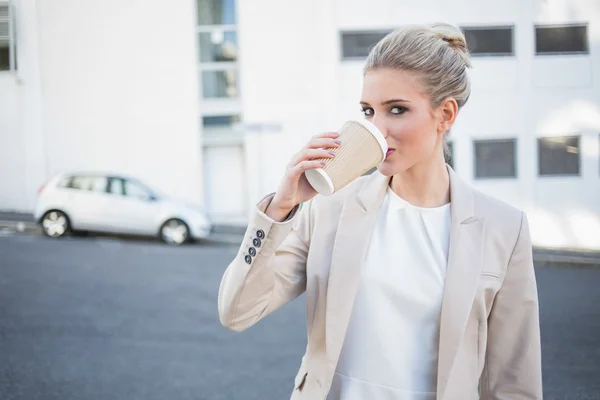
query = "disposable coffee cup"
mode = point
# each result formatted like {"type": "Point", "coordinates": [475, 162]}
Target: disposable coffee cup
{"type": "Point", "coordinates": [363, 147]}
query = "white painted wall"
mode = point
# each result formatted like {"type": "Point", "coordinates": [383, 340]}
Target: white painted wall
{"type": "Point", "coordinates": [22, 162]}
{"type": "Point", "coordinates": [105, 85]}
{"type": "Point", "coordinates": [292, 75]}
{"type": "Point", "coordinates": [12, 152]}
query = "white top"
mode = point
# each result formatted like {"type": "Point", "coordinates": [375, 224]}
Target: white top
{"type": "Point", "coordinates": [391, 346]}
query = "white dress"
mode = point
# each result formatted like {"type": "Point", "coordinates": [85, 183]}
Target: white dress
{"type": "Point", "coordinates": [391, 347]}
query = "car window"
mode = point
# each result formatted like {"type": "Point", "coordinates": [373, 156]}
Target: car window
{"type": "Point", "coordinates": [64, 182]}
{"type": "Point", "coordinates": [89, 183]}
{"type": "Point", "coordinates": [136, 190]}
{"type": "Point", "coordinates": [116, 186]}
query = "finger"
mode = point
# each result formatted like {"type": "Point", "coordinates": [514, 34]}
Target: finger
{"type": "Point", "coordinates": [326, 135]}
{"type": "Point", "coordinates": [306, 165]}
{"type": "Point", "coordinates": [323, 143]}
{"type": "Point", "coordinates": [311, 154]}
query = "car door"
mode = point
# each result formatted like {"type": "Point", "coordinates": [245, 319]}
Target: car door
{"type": "Point", "coordinates": [136, 208]}
{"type": "Point", "coordinates": [88, 201]}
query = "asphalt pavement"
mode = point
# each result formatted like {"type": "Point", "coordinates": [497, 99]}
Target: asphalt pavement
{"type": "Point", "coordinates": [104, 318]}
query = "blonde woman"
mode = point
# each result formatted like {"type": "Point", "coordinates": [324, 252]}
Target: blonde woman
{"type": "Point", "coordinates": [418, 287]}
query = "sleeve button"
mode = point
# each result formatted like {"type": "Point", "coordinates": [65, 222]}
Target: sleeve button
{"type": "Point", "coordinates": [248, 259]}
{"type": "Point", "coordinates": [252, 251]}
{"type": "Point", "coordinates": [256, 242]}
{"type": "Point", "coordinates": [260, 234]}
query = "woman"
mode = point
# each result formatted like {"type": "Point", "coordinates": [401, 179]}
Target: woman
{"type": "Point", "coordinates": [418, 286]}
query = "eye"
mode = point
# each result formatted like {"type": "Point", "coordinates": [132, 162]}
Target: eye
{"type": "Point", "coordinates": [397, 110]}
{"type": "Point", "coordinates": [368, 112]}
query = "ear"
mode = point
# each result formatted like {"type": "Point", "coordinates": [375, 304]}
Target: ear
{"type": "Point", "coordinates": [448, 111]}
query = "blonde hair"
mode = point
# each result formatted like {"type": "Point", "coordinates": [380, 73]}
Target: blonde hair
{"type": "Point", "coordinates": [437, 54]}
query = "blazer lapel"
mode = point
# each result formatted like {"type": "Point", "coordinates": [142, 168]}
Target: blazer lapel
{"type": "Point", "coordinates": [353, 234]}
{"type": "Point", "coordinates": [462, 276]}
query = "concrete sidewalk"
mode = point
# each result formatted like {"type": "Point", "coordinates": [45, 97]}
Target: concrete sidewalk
{"type": "Point", "coordinates": [233, 235]}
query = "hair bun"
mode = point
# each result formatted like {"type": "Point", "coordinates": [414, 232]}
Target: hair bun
{"type": "Point", "coordinates": [454, 37]}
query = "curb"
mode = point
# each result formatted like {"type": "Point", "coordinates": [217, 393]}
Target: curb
{"type": "Point", "coordinates": [31, 227]}
{"type": "Point", "coordinates": [20, 226]}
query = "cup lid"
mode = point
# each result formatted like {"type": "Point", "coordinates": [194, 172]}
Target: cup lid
{"type": "Point", "coordinates": [320, 181]}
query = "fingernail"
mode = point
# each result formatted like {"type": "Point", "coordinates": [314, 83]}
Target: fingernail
{"type": "Point", "coordinates": [332, 153]}
{"type": "Point", "coordinates": [323, 163]}
{"type": "Point", "coordinates": [337, 141]}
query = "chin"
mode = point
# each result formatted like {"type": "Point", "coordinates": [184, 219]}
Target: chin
{"type": "Point", "coordinates": [386, 168]}
{"type": "Point", "coordinates": [391, 168]}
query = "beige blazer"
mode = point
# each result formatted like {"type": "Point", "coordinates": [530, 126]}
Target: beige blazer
{"type": "Point", "coordinates": [489, 343]}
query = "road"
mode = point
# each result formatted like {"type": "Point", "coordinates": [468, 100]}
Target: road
{"type": "Point", "coordinates": [103, 318]}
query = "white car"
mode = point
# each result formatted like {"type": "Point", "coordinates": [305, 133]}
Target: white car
{"type": "Point", "coordinates": [115, 204]}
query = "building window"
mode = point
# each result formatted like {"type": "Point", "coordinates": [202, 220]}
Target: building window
{"type": "Point", "coordinates": [219, 125]}
{"type": "Point", "coordinates": [7, 39]}
{"type": "Point", "coordinates": [217, 121]}
{"type": "Point", "coordinates": [558, 156]}
{"type": "Point", "coordinates": [561, 39]}
{"type": "Point", "coordinates": [495, 158]}
{"type": "Point", "coordinates": [218, 51]}
{"type": "Point", "coordinates": [357, 45]}
{"type": "Point", "coordinates": [490, 41]}
{"type": "Point", "coordinates": [219, 84]}
{"type": "Point", "coordinates": [218, 46]}
{"type": "Point", "coordinates": [216, 12]}
{"type": "Point", "coordinates": [218, 64]}
{"type": "Point", "coordinates": [449, 155]}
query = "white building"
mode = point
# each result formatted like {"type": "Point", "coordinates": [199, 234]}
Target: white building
{"type": "Point", "coordinates": [209, 100]}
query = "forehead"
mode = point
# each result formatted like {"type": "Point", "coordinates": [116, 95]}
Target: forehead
{"type": "Point", "coordinates": [384, 84]}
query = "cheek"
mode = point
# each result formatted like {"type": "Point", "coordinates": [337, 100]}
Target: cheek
{"type": "Point", "coordinates": [411, 132]}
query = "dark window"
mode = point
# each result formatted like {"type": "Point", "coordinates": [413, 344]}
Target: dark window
{"type": "Point", "coordinates": [449, 155]}
{"type": "Point", "coordinates": [561, 39]}
{"type": "Point", "coordinates": [116, 186]}
{"type": "Point", "coordinates": [216, 12]}
{"type": "Point", "coordinates": [4, 57]}
{"type": "Point", "coordinates": [359, 44]}
{"type": "Point", "coordinates": [5, 38]}
{"type": "Point", "coordinates": [490, 41]}
{"type": "Point", "coordinates": [495, 158]}
{"type": "Point", "coordinates": [220, 121]}
{"type": "Point", "coordinates": [558, 156]}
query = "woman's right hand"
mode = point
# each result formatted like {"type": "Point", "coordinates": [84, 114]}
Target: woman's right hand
{"type": "Point", "coordinates": [294, 187]}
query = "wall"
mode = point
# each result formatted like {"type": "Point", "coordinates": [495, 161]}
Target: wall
{"type": "Point", "coordinates": [22, 158]}
{"type": "Point", "coordinates": [108, 86]}
{"type": "Point", "coordinates": [12, 152]}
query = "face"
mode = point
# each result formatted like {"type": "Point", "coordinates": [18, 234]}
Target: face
{"type": "Point", "coordinates": [393, 102]}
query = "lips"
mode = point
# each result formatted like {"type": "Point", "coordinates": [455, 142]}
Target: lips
{"type": "Point", "coordinates": [390, 151]}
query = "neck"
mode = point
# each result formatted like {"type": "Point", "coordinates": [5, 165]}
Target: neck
{"type": "Point", "coordinates": [423, 185]}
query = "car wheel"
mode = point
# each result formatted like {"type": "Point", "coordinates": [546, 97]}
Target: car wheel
{"type": "Point", "coordinates": [175, 232]}
{"type": "Point", "coordinates": [55, 224]}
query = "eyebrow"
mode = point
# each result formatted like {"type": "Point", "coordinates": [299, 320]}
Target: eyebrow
{"type": "Point", "coordinates": [388, 102]}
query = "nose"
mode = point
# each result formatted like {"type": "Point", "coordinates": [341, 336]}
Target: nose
{"type": "Point", "coordinates": [379, 124]}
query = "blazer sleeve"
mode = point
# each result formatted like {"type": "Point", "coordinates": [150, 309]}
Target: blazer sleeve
{"type": "Point", "coordinates": [513, 368]}
{"type": "Point", "coordinates": [274, 276]}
